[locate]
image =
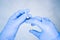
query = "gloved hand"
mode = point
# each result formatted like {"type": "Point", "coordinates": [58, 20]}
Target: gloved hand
{"type": "Point", "coordinates": [12, 26]}
{"type": "Point", "coordinates": [48, 30]}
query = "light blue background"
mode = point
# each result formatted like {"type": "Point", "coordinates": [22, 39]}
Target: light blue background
{"type": "Point", "coordinates": [42, 8]}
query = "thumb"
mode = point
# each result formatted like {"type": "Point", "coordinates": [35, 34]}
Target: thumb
{"type": "Point", "coordinates": [36, 33]}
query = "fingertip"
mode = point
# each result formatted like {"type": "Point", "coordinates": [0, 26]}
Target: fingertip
{"type": "Point", "coordinates": [32, 24]}
{"type": "Point", "coordinates": [36, 33]}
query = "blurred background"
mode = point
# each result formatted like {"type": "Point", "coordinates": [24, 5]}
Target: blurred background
{"type": "Point", "coordinates": [42, 8]}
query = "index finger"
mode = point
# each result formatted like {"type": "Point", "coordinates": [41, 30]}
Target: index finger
{"type": "Point", "coordinates": [19, 13]}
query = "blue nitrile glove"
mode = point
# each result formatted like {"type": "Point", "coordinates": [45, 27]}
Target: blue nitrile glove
{"type": "Point", "coordinates": [48, 30]}
{"type": "Point", "coordinates": [12, 26]}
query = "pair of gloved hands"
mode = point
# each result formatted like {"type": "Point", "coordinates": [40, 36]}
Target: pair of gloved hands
{"type": "Point", "coordinates": [48, 32]}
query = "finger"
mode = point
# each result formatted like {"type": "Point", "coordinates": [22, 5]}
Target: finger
{"type": "Point", "coordinates": [45, 27]}
{"type": "Point", "coordinates": [19, 16]}
{"type": "Point", "coordinates": [36, 33]}
{"type": "Point", "coordinates": [34, 21]}
{"type": "Point", "coordinates": [38, 18]}
{"type": "Point", "coordinates": [40, 22]}
{"type": "Point", "coordinates": [29, 17]}
{"type": "Point", "coordinates": [22, 18]}
{"type": "Point", "coordinates": [19, 13]}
